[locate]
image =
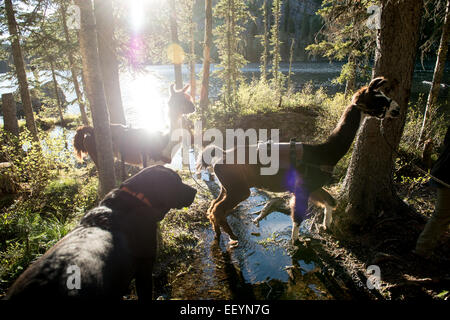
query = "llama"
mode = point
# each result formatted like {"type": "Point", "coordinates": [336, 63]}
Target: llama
{"type": "Point", "coordinates": [135, 145]}
{"type": "Point", "coordinates": [304, 168]}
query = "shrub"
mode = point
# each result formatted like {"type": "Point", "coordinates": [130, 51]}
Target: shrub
{"type": "Point", "coordinates": [435, 127]}
{"type": "Point", "coordinates": [52, 193]}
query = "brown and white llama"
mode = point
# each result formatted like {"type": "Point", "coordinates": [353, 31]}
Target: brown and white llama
{"type": "Point", "coordinates": [304, 168]}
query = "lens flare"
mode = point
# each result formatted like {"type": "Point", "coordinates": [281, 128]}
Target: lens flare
{"type": "Point", "coordinates": [175, 53]}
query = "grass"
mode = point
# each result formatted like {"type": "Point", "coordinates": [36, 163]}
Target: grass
{"type": "Point", "coordinates": [48, 123]}
{"type": "Point", "coordinates": [53, 195]}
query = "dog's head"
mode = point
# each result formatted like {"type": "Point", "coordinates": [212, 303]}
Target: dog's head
{"type": "Point", "coordinates": [162, 187]}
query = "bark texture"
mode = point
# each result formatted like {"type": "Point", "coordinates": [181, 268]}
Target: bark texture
{"type": "Point", "coordinates": [206, 58]}
{"type": "Point", "coordinates": [11, 124]}
{"type": "Point", "coordinates": [55, 88]}
{"type": "Point", "coordinates": [176, 48]}
{"type": "Point", "coordinates": [73, 69]}
{"type": "Point", "coordinates": [108, 60]}
{"type": "Point", "coordinates": [96, 97]}
{"type": "Point", "coordinates": [20, 69]}
{"type": "Point", "coordinates": [368, 188]}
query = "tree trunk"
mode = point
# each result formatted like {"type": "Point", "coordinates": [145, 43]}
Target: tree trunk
{"type": "Point", "coordinates": [20, 69]}
{"type": "Point", "coordinates": [438, 71]}
{"type": "Point", "coordinates": [11, 124]}
{"type": "Point", "coordinates": [108, 60]}
{"type": "Point", "coordinates": [55, 88]}
{"type": "Point", "coordinates": [291, 57]}
{"type": "Point", "coordinates": [177, 60]}
{"type": "Point", "coordinates": [192, 60]}
{"type": "Point", "coordinates": [96, 97]}
{"type": "Point", "coordinates": [368, 188]}
{"type": "Point", "coordinates": [265, 53]}
{"type": "Point", "coordinates": [228, 22]}
{"type": "Point", "coordinates": [73, 71]}
{"type": "Point", "coordinates": [276, 44]}
{"type": "Point", "coordinates": [206, 58]}
{"type": "Point", "coordinates": [350, 84]}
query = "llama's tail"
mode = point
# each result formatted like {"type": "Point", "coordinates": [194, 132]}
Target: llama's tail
{"type": "Point", "coordinates": [208, 156]}
{"type": "Point", "coordinates": [78, 140]}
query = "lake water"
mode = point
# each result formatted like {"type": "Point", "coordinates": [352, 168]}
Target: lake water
{"type": "Point", "coordinates": [145, 94]}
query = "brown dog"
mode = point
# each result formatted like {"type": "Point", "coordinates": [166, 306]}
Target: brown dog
{"type": "Point", "coordinates": [112, 244]}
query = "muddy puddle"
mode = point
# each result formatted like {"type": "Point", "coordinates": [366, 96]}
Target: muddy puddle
{"type": "Point", "coordinates": [263, 266]}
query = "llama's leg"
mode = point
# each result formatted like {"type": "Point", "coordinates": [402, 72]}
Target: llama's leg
{"type": "Point", "coordinates": [271, 206]}
{"type": "Point", "coordinates": [234, 190]}
{"type": "Point", "coordinates": [89, 143]}
{"type": "Point", "coordinates": [216, 200]}
{"type": "Point", "coordinates": [298, 211]}
{"type": "Point", "coordinates": [223, 208]}
{"type": "Point", "coordinates": [211, 216]}
{"type": "Point", "coordinates": [144, 160]}
{"type": "Point", "coordinates": [122, 167]}
{"type": "Point", "coordinates": [323, 199]}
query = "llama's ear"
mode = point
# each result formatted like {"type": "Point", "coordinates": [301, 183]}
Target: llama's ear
{"type": "Point", "coordinates": [377, 83]}
{"type": "Point", "coordinates": [172, 89]}
{"type": "Point", "coordinates": [186, 87]}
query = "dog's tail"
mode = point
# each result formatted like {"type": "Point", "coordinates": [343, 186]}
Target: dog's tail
{"type": "Point", "coordinates": [209, 155]}
{"type": "Point", "coordinates": [78, 141]}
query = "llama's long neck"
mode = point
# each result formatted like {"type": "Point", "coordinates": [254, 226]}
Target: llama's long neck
{"type": "Point", "coordinates": [339, 141]}
{"type": "Point", "coordinates": [175, 124]}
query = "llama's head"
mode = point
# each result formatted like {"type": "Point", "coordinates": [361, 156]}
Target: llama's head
{"type": "Point", "coordinates": [180, 102]}
{"type": "Point", "coordinates": [372, 101]}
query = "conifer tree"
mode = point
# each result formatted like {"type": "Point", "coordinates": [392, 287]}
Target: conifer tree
{"type": "Point", "coordinates": [228, 42]}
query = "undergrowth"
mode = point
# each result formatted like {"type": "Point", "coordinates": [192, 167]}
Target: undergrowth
{"type": "Point", "coordinates": [51, 195]}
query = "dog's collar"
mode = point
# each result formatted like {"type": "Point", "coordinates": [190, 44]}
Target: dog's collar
{"type": "Point", "coordinates": [137, 195]}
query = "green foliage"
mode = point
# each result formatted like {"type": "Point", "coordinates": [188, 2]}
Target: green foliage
{"type": "Point", "coordinates": [345, 36]}
{"type": "Point", "coordinates": [260, 96]}
{"type": "Point", "coordinates": [435, 127]}
{"type": "Point", "coordinates": [264, 40]}
{"type": "Point", "coordinates": [52, 195]}
{"type": "Point", "coordinates": [278, 78]}
{"type": "Point", "coordinates": [228, 41]}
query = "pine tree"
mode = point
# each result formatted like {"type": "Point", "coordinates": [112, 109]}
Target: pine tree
{"type": "Point", "coordinates": [204, 99]}
{"type": "Point", "coordinates": [265, 40]}
{"type": "Point", "coordinates": [345, 36]}
{"type": "Point", "coordinates": [276, 45]}
{"type": "Point", "coordinates": [228, 39]}
{"type": "Point", "coordinates": [105, 23]}
{"type": "Point", "coordinates": [73, 66]}
{"type": "Point", "coordinates": [20, 68]}
{"type": "Point", "coordinates": [438, 71]}
{"type": "Point", "coordinates": [368, 187]}
{"type": "Point", "coordinates": [96, 96]}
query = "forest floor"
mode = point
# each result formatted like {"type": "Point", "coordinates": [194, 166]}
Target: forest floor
{"type": "Point", "coordinates": [266, 266]}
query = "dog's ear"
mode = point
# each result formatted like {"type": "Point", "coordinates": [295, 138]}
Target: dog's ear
{"type": "Point", "coordinates": [186, 87]}
{"type": "Point", "coordinates": [376, 83]}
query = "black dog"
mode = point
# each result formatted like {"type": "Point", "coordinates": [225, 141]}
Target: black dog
{"type": "Point", "coordinates": [112, 244]}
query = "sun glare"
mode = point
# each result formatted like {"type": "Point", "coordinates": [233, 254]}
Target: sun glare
{"type": "Point", "coordinates": [138, 12]}
{"type": "Point", "coordinates": [146, 105]}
